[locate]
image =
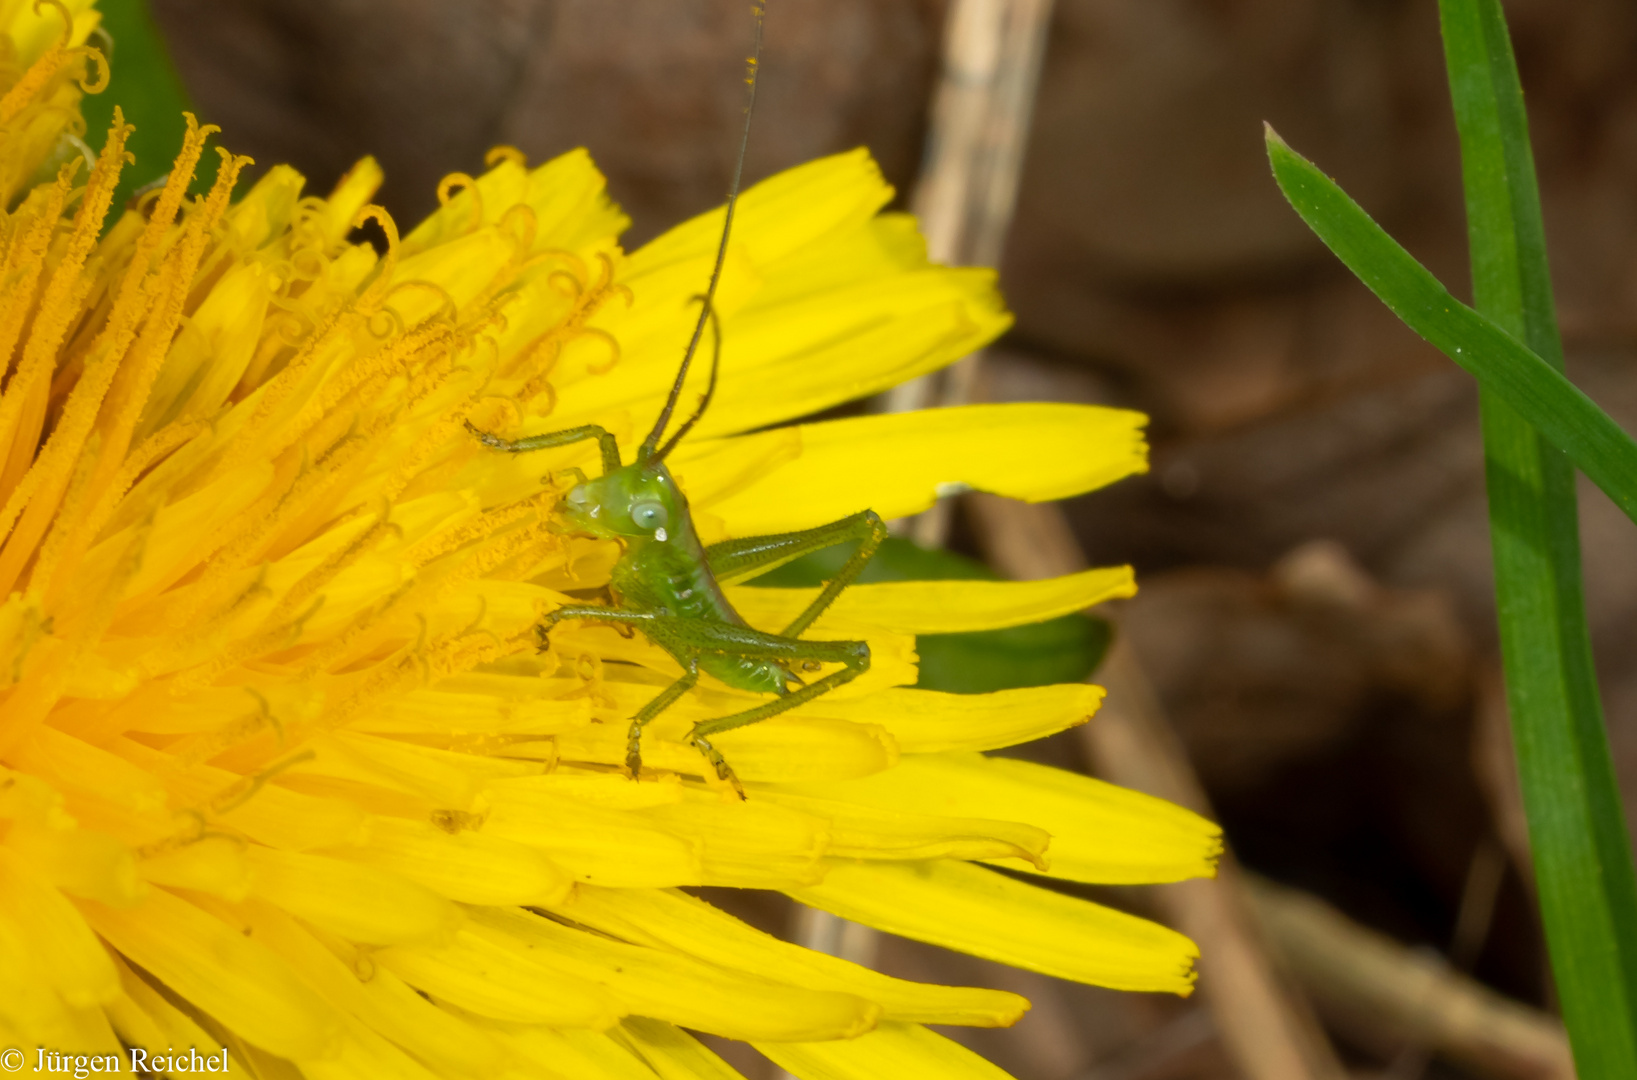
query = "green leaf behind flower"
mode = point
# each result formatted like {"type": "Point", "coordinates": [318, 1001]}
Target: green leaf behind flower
{"type": "Point", "coordinates": [1061, 650]}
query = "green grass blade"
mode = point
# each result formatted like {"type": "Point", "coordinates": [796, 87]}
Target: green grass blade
{"type": "Point", "coordinates": [1583, 867]}
{"type": "Point", "coordinates": [144, 84]}
{"type": "Point", "coordinates": [1503, 365]}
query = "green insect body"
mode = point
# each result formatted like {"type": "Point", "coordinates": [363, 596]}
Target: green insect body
{"type": "Point", "coordinates": [666, 584]}
{"type": "Point", "coordinates": [664, 568]}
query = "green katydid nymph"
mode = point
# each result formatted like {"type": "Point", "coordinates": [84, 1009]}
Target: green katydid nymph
{"type": "Point", "coordinates": [665, 583]}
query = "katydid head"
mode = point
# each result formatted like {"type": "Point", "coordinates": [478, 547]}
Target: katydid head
{"type": "Point", "coordinates": [633, 502]}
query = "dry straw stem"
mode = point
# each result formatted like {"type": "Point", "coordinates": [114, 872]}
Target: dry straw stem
{"type": "Point", "coordinates": [967, 190]}
{"type": "Point", "coordinates": [1367, 983]}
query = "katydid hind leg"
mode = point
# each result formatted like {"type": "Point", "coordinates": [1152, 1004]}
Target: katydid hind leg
{"type": "Point", "coordinates": [855, 655]}
{"type": "Point", "coordinates": [735, 560]}
{"type": "Point", "coordinates": [689, 640]}
{"type": "Point", "coordinates": [871, 530]}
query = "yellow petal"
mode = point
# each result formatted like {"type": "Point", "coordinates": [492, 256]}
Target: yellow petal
{"type": "Point", "coordinates": [844, 340]}
{"type": "Point", "coordinates": [81, 862]}
{"type": "Point", "coordinates": [720, 468]}
{"type": "Point", "coordinates": [778, 750]}
{"type": "Point", "coordinates": [131, 1022]}
{"type": "Point", "coordinates": [365, 1055]}
{"type": "Point", "coordinates": [863, 832]}
{"type": "Point", "coordinates": [183, 531]}
{"type": "Point", "coordinates": [928, 721]}
{"type": "Point", "coordinates": [500, 981]}
{"type": "Point", "coordinates": [28, 1006]}
{"type": "Point", "coordinates": [892, 656]}
{"type": "Point", "coordinates": [939, 607]}
{"type": "Point", "coordinates": [267, 813]}
{"type": "Point", "coordinates": [778, 216]}
{"type": "Point", "coordinates": [748, 845]}
{"type": "Point", "coordinates": [206, 361]}
{"type": "Point", "coordinates": [569, 1055]}
{"type": "Point", "coordinates": [892, 1050]}
{"type": "Point", "coordinates": [358, 902]}
{"type": "Point", "coordinates": [596, 844]}
{"type": "Point", "coordinates": [355, 188]}
{"type": "Point", "coordinates": [375, 996]}
{"type": "Point", "coordinates": [670, 1051]}
{"type": "Point", "coordinates": [1031, 452]}
{"type": "Point", "coordinates": [211, 864]}
{"type": "Point", "coordinates": [671, 986]}
{"type": "Point", "coordinates": [784, 749]}
{"type": "Point", "coordinates": [144, 1017]}
{"type": "Point", "coordinates": [786, 357]}
{"type": "Point", "coordinates": [228, 976]}
{"type": "Point", "coordinates": [568, 197]}
{"type": "Point", "coordinates": [76, 966]}
{"type": "Point", "coordinates": [567, 786]}
{"type": "Point", "coordinates": [974, 910]}
{"type": "Point", "coordinates": [688, 924]}
{"type": "Point", "coordinates": [69, 763]}
{"type": "Point", "coordinates": [462, 266]}
{"type": "Point", "coordinates": [821, 301]}
{"type": "Point", "coordinates": [443, 711]}
{"type": "Point", "coordinates": [33, 29]}
{"type": "Point", "coordinates": [1099, 832]}
{"type": "Point", "coordinates": [473, 868]}
{"type": "Point", "coordinates": [445, 778]}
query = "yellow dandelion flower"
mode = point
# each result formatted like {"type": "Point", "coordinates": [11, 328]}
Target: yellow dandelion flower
{"type": "Point", "coordinates": [283, 774]}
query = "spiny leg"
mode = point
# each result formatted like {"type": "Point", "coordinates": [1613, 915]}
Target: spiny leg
{"type": "Point", "coordinates": [666, 698]}
{"type": "Point", "coordinates": [596, 612]}
{"type": "Point", "coordinates": [854, 654]}
{"type": "Point", "coordinates": [736, 559]}
{"type": "Point", "coordinates": [605, 441]}
{"type": "Point", "coordinates": [654, 626]}
{"type": "Point", "coordinates": [600, 613]}
{"type": "Point", "coordinates": [690, 640]}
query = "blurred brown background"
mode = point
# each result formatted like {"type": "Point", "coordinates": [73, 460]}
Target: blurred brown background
{"type": "Point", "coordinates": [1316, 607]}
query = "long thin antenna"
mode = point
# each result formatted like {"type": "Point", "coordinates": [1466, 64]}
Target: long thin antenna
{"type": "Point", "coordinates": [705, 398]}
{"type": "Point", "coordinates": [646, 450]}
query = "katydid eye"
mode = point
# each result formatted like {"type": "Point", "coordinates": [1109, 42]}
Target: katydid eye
{"type": "Point", "coordinates": [649, 515]}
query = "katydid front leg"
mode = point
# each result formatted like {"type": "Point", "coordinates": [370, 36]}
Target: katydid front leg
{"type": "Point", "coordinates": [854, 654]}
{"type": "Point", "coordinates": [609, 449]}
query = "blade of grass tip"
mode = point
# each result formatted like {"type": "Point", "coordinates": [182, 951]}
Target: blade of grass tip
{"type": "Point", "coordinates": [1583, 866]}
{"type": "Point", "coordinates": [1502, 365]}
{"type": "Point", "coordinates": [144, 84]}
